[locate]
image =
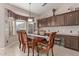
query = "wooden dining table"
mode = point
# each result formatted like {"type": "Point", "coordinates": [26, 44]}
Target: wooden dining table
{"type": "Point", "coordinates": [38, 38]}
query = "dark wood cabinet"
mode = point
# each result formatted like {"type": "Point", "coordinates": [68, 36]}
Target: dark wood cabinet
{"type": "Point", "coordinates": [77, 17]}
{"type": "Point", "coordinates": [70, 18]}
{"type": "Point", "coordinates": [60, 20]}
{"type": "Point", "coordinates": [39, 23]}
{"type": "Point", "coordinates": [53, 21]}
{"type": "Point", "coordinates": [72, 42]}
{"type": "Point", "coordinates": [44, 22]}
{"type": "Point", "coordinates": [67, 41]}
{"type": "Point", "coordinates": [49, 19]}
{"type": "Point", "coordinates": [66, 19]}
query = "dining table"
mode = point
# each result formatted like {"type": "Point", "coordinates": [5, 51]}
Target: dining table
{"type": "Point", "coordinates": [33, 36]}
{"type": "Point", "coordinates": [37, 38]}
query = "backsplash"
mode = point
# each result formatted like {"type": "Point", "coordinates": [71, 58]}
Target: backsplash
{"type": "Point", "coordinates": [67, 30]}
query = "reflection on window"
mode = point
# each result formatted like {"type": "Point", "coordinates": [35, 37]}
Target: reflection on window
{"type": "Point", "coordinates": [20, 25]}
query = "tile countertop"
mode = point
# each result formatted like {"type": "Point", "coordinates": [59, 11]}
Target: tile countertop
{"type": "Point", "coordinates": [70, 34]}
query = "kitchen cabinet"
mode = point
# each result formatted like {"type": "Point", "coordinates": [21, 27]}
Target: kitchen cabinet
{"type": "Point", "coordinates": [60, 20]}
{"type": "Point", "coordinates": [67, 41]}
{"type": "Point", "coordinates": [70, 18]}
{"type": "Point", "coordinates": [53, 21]}
{"type": "Point", "coordinates": [43, 21]}
{"type": "Point", "coordinates": [74, 43]}
{"type": "Point", "coordinates": [39, 23]}
{"type": "Point", "coordinates": [71, 42]}
{"type": "Point", "coordinates": [48, 20]}
{"type": "Point", "coordinates": [65, 19]}
{"type": "Point", "coordinates": [77, 17]}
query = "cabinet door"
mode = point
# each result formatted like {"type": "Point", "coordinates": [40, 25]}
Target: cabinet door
{"type": "Point", "coordinates": [42, 23]}
{"type": "Point", "coordinates": [70, 18]}
{"type": "Point", "coordinates": [74, 43]}
{"type": "Point", "coordinates": [39, 23]}
{"type": "Point", "coordinates": [48, 20]}
{"type": "Point", "coordinates": [67, 42]}
{"type": "Point", "coordinates": [60, 20]}
{"type": "Point", "coordinates": [77, 17]}
{"type": "Point", "coordinates": [53, 21]}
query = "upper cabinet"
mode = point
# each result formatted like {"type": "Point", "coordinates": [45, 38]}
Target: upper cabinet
{"type": "Point", "coordinates": [53, 22]}
{"type": "Point", "coordinates": [49, 21]}
{"type": "Point", "coordinates": [44, 22]}
{"type": "Point", "coordinates": [60, 20]}
{"type": "Point", "coordinates": [70, 18]}
{"type": "Point", "coordinates": [39, 23]}
{"type": "Point", "coordinates": [77, 17]}
{"type": "Point", "coordinates": [66, 19]}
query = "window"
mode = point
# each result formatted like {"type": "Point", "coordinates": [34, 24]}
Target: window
{"type": "Point", "coordinates": [20, 25]}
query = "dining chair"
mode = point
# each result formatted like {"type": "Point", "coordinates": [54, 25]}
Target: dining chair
{"type": "Point", "coordinates": [45, 47]}
{"type": "Point", "coordinates": [27, 43]}
{"type": "Point", "coordinates": [19, 38]}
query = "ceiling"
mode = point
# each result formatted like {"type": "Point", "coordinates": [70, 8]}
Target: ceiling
{"type": "Point", "coordinates": [38, 9]}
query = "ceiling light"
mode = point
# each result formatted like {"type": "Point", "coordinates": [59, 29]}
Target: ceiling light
{"type": "Point", "coordinates": [30, 19]}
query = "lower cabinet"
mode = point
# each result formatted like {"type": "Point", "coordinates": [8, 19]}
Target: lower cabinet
{"type": "Point", "coordinates": [67, 42]}
{"type": "Point", "coordinates": [72, 42]}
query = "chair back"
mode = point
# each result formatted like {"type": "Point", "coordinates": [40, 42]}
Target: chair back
{"type": "Point", "coordinates": [51, 39]}
{"type": "Point", "coordinates": [24, 38]}
{"type": "Point", "coordinates": [19, 36]}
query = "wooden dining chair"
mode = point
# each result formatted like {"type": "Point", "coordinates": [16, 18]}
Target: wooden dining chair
{"type": "Point", "coordinates": [19, 38]}
{"type": "Point", "coordinates": [45, 47]}
{"type": "Point", "coordinates": [27, 42]}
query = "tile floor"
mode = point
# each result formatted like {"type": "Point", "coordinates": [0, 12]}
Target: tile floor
{"type": "Point", "coordinates": [13, 50]}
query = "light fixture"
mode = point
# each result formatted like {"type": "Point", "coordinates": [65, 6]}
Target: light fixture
{"type": "Point", "coordinates": [53, 10]}
{"type": "Point", "coordinates": [30, 18]}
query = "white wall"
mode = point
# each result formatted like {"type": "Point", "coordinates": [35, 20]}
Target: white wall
{"type": "Point", "coordinates": [2, 26]}
{"type": "Point", "coordinates": [19, 11]}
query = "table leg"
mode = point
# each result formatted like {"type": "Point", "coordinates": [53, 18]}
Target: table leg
{"type": "Point", "coordinates": [33, 47]}
{"type": "Point", "coordinates": [37, 49]}
{"type": "Point", "coordinates": [28, 51]}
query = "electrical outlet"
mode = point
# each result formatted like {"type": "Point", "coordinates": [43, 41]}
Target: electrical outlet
{"type": "Point", "coordinates": [48, 30]}
{"type": "Point", "coordinates": [7, 41]}
{"type": "Point", "coordinates": [58, 31]}
{"type": "Point", "coordinates": [71, 31]}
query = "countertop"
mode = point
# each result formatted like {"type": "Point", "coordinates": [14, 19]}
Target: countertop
{"type": "Point", "coordinates": [70, 34]}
